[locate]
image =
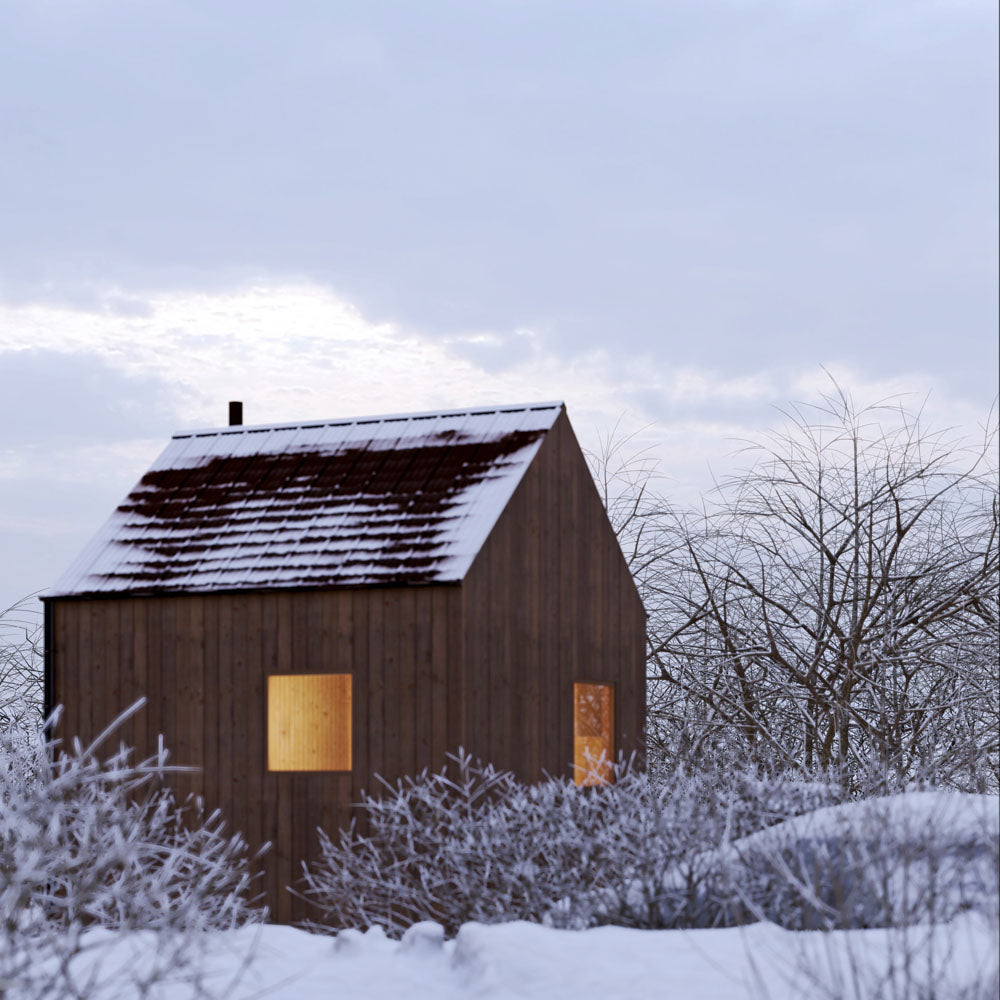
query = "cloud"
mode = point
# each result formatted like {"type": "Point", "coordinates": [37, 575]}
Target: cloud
{"type": "Point", "coordinates": [52, 399]}
{"type": "Point", "coordinates": [289, 352]}
{"type": "Point", "coordinates": [88, 397]}
{"type": "Point", "coordinates": [299, 352]}
{"type": "Point", "coordinates": [699, 183]}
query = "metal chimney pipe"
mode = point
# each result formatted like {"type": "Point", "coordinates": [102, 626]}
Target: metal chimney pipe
{"type": "Point", "coordinates": [235, 413]}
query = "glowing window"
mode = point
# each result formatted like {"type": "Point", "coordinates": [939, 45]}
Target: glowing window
{"type": "Point", "coordinates": [309, 722]}
{"type": "Point", "coordinates": [593, 733]}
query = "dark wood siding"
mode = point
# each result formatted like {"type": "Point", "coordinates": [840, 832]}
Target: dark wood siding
{"type": "Point", "coordinates": [488, 665]}
{"type": "Point", "coordinates": [549, 601]}
{"type": "Point", "coordinates": [202, 662]}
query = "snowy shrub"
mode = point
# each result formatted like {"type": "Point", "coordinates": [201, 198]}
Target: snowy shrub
{"type": "Point", "coordinates": [902, 885]}
{"type": "Point", "coordinates": [706, 849]}
{"type": "Point", "coordinates": [88, 843]}
{"type": "Point", "coordinates": [476, 844]}
{"type": "Point", "coordinates": [887, 862]}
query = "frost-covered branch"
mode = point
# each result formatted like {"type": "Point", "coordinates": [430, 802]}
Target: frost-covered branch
{"type": "Point", "coordinates": [87, 842]}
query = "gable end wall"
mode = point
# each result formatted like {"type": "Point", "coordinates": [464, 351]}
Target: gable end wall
{"type": "Point", "coordinates": [549, 601]}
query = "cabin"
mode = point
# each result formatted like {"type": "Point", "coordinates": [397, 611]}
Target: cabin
{"type": "Point", "coordinates": [306, 606]}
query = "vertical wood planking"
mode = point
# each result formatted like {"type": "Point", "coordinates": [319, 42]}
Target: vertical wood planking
{"type": "Point", "coordinates": [126, 694]}
{"type": "Point", "coordinates": [547, 462]}
{"type": "Point", "coordinates": [178, 693]}
{"type": "Point", "coordinates": [236, 693]}
{"type": "Point", "coordinates": [106, 635]}
{"type": "Point", "coordinates": [423, 641]}
{"type": "Point", "coordinates": [337, 659]}
{"type": "Point", "coordinates": [140, 668]}
{"type": "Point", "coordinates": [85, 710]}
{"type": "Point", "coordinates": [390, 682]}
{"type": "Point", "coordinates": [459, 654]}
{"type": "Point", "coordinates": [79, 710]}
{"type": "Point", "coordinates": [281, 856]}
{"type": "Point", "coordinates": [521, 591]}
{"type": "Point", "coordinates": [478, 669]}
{"type": "Point", "coordinates": [612, 646]}
{"type": "Point", "coordinates": [527, 705]}
{"type": "Point", "coordinates": [94, 711]}
{"type": "Point", "coordinates": [156, 628]}
{"type": "Point", "coordinates": [569, 584]}
{"type": "Point", "coordinates": [229, 752]}
{"type": "Point", "coordinates": [80, 706]}
{"type": "Point", "coordinates": [376, 690]}
{"type": "Point", "coordinates": [171, 614]}
{"type": "Point", "coordinates": [211, 697]}
{"type": "Point", "coordinates": [77, 707]}
{"type": "Point", "coordinates": [631, 687]}
{"type": "Point", "coordinates": [352, 631]}
{"type": "Point", "coordinates": [315, 784]}
{"type": "Point", "coordinates": [269, 781]}
{"type": "Point", "coordinates": [437, 599]}
{"type": "Point", "coordinates": [195, 711]}
{"type": "Point", "coordinates": [298, 784]}
{"type": "Point", "coordinates": [406, 680]}
{"type": "Point", "coordinates": [253, 689]}
{"type": "Point", "coordinates": [502, 687]}
{"type": "Point", "coordinates": [489, 637]}
{"type": "Point", "coordinates": [636, 624]}
{"type": "Point", "coordinates": [334, 806]}
{"type": "Point", "coordinates": [597, 563]}
{"type": "Point", "coordinates": [223, 709]}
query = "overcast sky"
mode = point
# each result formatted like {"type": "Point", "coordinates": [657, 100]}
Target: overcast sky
{"type": "Point", "coordinates": [673, 213]}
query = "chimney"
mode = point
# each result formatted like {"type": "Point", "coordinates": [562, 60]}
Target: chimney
{"type": "Point", "coordinates": [235, 413]}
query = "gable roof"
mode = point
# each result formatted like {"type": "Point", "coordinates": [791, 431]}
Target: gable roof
{"type": "Point", "coordinates": [404, 499]}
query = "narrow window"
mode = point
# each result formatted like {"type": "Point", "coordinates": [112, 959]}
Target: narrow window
{"type": "Point", "coordinates": [593, 733]}
{"type": "Point", "coordinates": [309, 722]}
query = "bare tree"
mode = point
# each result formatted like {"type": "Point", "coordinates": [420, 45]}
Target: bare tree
{"type": "Point", "coordinates": [834, 604]}
{"type": "Point", "coordinates": [21, 664]}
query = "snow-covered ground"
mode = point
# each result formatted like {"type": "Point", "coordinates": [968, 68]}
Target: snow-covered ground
{"type": "Point", "coordinates": [520, 961]}
{"type": "Point", "coordinates": [953, 817]}
{"type": "Point", "coordinates": [957, 960]}
{"type": "Point", "coordinates": [75, 842]}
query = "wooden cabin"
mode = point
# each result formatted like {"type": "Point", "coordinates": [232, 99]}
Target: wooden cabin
{"type": "Point", "coordinates": [309, 605]}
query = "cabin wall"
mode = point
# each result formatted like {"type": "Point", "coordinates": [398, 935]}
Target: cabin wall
{"type": "Point", "coordinates": [202, 662]}
{"type": "Point", "coordinates": [550, 601]}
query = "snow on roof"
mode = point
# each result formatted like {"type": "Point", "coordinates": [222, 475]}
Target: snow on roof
{"type": "Point", "coordinates": [408, 498]}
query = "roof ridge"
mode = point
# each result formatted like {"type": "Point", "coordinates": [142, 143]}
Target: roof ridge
{"type": "Point", "coordinates": [469, 411]}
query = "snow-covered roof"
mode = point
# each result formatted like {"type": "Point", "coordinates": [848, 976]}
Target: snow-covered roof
{"type": "Point", "coordinates": [408, 498]}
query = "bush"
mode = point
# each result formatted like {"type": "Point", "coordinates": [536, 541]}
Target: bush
{"type": "Point", "coordinates": [87, 843]}
{"type": "Point", "coordinates": [920, 857]}
{"type": "Point", "coordinates": [479, 845]}
{"type": "Point", "coordinates": [706, 849]}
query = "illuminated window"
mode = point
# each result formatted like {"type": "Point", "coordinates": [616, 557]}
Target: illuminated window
{"type": "Point", "coordinates": [309, 722]}
{"type": "Point", "coordinates": [593, 733]}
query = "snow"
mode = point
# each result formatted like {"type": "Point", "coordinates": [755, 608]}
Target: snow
{"type": "Point", "coordinates": [78, 850]}
{"type": "Point", "coordinates": [522, 961]}
{"type": "Point", "coordinates": [403, 498]}
{"type": "Point", "coordinates": [953, 816]}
